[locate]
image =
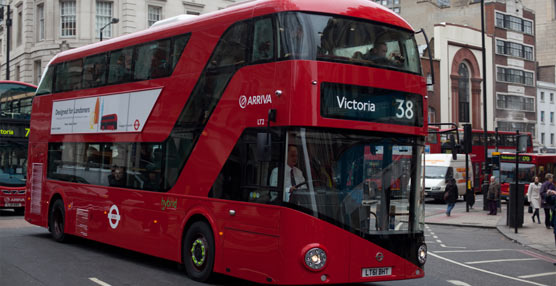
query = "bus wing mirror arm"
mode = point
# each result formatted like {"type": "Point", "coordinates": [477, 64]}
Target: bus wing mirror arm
{"type": "Point", "coordinates": [429, 52]}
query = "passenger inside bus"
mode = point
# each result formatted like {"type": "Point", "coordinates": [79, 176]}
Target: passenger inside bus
{"type": "Point", "coordinates": [294, 178]}
{"type": "Point", "coordinates": [378, 54]}
{"type": "Point", "coordinates": [117, 178]}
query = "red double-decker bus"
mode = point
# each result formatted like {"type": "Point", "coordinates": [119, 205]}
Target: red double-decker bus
{"type": "Point", "coordinates": [530, 165]}
{"type": "Point", "coordinates": [15, 112]}
{"type": "Point", "coordinates": [241, 142]}
{"type": "Point", "coordinates": [506, 143]}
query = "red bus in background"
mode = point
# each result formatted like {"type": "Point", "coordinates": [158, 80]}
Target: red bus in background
{"type": "Point", "coordinates": [530, 165]}
{"type": "Point", "coordinates": [241, 147]}
{"type": "Point", "coordinates": [506, 143]}
{"type": "Point", "coordinates": [433, 145]}
{"type": "Point", "coordinates": [15, 112]}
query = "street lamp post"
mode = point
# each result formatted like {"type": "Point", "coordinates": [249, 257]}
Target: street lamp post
{"type": "Point", "coordinates": [8, 36]}
{"type": "Point", "coordinates": [113, 21]}
{"type": "Point", "coordinates": [485, 139]}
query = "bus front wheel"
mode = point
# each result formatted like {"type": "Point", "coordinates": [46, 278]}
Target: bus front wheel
{"type": "Point", "coordinates": [57, 220]}
{"type": "Point", "coordinates": [198, 251]}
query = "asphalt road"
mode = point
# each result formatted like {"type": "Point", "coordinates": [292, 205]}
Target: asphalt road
{"type": "Point", "coordinates": [457, 256]}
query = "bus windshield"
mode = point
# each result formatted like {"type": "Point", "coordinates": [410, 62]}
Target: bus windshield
{"type": "Point", "coordinates": [13, 164]}
{"type": "Point", "coordinates": [359, 182]}
{"type": "Point", "coordinates": [346, 40]}
{"type": "Point", "coordinates": [507, 172]}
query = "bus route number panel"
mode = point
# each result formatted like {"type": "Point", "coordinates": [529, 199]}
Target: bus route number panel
{"type": "Point", "coordinates": [364, 103]}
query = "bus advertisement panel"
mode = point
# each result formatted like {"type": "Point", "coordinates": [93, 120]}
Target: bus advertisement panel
{"type": "Point", "coordinates": [15, 110]}
{"type": "Point", "coordinates": [261, 132]}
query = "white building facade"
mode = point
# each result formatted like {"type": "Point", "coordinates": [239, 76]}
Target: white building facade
{"type": "Point", "coordinates": [42, 28]}
{"type": "Point", "coordinates": [546, 112]}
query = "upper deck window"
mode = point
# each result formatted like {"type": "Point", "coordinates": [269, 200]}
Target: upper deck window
{"type": "Point", "coordinates": [346, 40]}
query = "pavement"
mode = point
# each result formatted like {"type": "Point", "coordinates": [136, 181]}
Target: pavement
{"type": "Point", "coordinates": [533, 235]}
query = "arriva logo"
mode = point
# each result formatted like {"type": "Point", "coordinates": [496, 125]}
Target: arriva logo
{"type": "Point", "coordinates": [254, 100]}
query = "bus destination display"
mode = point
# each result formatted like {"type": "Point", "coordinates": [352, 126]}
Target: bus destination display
{"type": "Point", "coordinates": [371, 104]}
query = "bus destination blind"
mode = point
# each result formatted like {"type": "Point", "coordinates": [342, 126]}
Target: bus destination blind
{"type": "Point", "coordinates": [371, 104]}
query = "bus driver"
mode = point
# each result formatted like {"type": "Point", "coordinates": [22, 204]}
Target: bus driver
{"type": "Point", "coordinates": [293, 175]}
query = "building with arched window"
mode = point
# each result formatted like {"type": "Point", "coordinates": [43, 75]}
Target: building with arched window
{"type": "Point", "coordinates": [458, 98]}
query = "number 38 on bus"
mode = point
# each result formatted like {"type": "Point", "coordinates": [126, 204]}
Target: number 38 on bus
{"type": "Point", "coordinates": [275, 141]}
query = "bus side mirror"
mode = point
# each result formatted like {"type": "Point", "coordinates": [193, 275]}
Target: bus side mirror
{"type": "Point", "coordinates": [264, 147]}
{"type": "Point", "coordinates": [453, 147]}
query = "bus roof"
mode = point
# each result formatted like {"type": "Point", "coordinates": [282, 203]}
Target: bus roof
{"type": "Point", "coordinates": [244, 10]}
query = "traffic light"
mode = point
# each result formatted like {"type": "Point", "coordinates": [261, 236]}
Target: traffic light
{"type": "Point", "coordinates": [467, 134]}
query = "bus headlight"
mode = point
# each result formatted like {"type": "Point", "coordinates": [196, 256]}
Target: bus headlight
{"type": "Point", "coordinates": [422, 254]}
{"type": "Point", "coordinates": [315, 258]}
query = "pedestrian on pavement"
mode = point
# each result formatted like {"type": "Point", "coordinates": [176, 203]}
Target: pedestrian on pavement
{"type": "Point", "coordinates": [534, 198]}
{"type": "Point", "coordinates": [450, 195]}
{"type": "Point", "coordinates": [493, 195]}
{"type": "Point", "coordinates": [545, 204]}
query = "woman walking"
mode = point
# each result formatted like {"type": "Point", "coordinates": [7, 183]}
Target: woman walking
{"type": "Point", "coordinates": [451, 195]}
{"type": "Point", "coordinates": [534, 197]}
{"type": "Point", "coordinates": [546, 204]}
{"type": "Point", "coordinates": [493, 196]}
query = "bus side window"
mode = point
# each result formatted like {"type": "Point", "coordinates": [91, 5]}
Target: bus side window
{"type": "Point", "coordinates": [94, 71]}
{"type": "Point", "coordinates": [68, 76]}
{"type": "Point", "coordinates": [232, 47]}
{"type": "Point", "coordinates": [119, 69]}
{"type": "Point", "coordinates": [178, 45]}
{"type": "Point", "coordinates": [263, 42]}
{"type": "Point", "coordinates": [160, 62]}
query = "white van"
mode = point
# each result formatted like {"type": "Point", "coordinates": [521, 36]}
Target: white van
{"type": "Point", "coordinates": [438, 168]}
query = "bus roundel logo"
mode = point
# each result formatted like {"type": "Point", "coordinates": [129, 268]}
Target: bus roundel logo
{"type": "Point", "coordinates": [114, 216]}
{"type": "Point", "coordinates": [136, 124]}
{"type": "Point", "coordinates": [379, 256]}
{"type": "Point", "coordinates": [243, 101]}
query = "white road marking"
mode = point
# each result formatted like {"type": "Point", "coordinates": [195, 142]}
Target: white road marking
{"type": "Point", "coordinates": [501, 260]}
{"type": "Point", "coordinates": [537, 275]}
{"type": "Point", "coordinates": [443, 245]}
{"type": "Point", "coordinates": [457, 282]}
{"type": "Point", "coordinates": [99, 282]}
{"type": "Point", "coordinates": [439, 241]}
{"type": "Point", "coordinates": [469, 251]}
{"type": "Point", "coordinates": [435, 236]}
{"type": "Point", "coordinates": [485, 271]}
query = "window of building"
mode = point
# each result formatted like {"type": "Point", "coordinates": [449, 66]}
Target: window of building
{"type": "Point", "coordinates": [19, 25]}
{"type": "Point", "coordinates": [40, 22]}
{"type": "Point", "coordinates": [397, 10]}
{"type": "Point", "coordinates": [514, 23]}
{"type": "Point", "coordinates": [542, 116]}
{"type": "Point", "coordinates": [10, 32]}
{"type": "Point", "coordinates": [514, 49]}
{"type": "Point", "coordinates": [432, 115]}
{"type": "Point", "coordinates": [513, 75]}
{"type": "Point", "coordinates": [68, 18]}
{"type": "Point", "coordinates": [551, 117]}
{"type": "Point", "coordinates": [429, 81]}
{"type": "Point", "coordinates": [188, 12]}
{"type": "Point", "coordinates": [17, 73]}
{"type": "Point", "coordinates": [154, 14]}
{"type": "Point", "coordinates": [542, 138]}
{"type": "Point", "coordinates": [513, 126]}
{"type": "Point", "coordinates": [396, 2]}
{"type": "Point", "coordinates": [104, 16]}
{"type": "Point", "coordinates": [551, 138]}
{"type": "Point", "coordinates": [542, 96]}
{"type": "Point", "coordinates": [515, 102]}
{"type": "Point", "coordinates": [37, 66]}
{"type": "Point", "coordinates": [463, 93]}
{"type": "Point", "coordinates": [551, 97]}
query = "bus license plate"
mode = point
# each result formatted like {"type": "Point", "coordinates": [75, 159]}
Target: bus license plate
{"type": "Point", "coordinates": [373, 272]}
{"type": "Point", "coordinates": [12, 205]}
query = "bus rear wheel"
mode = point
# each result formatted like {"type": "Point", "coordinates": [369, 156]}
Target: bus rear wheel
{"type": "Point", "coordinates": [57, 220]}
{"type": "Point", "coordinates": [198, 251]}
